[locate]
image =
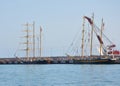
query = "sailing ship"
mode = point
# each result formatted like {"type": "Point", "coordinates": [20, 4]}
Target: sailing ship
{"type": "Point", "coordinates": [107, 54]}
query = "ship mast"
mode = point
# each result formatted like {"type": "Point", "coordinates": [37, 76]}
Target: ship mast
{"type": "Point", "coordinates": [33, 39]}
{"type": "Point", "coordinates": [91, 41]}
{"type": "Point", "coordinates": [102, 27]}
{"type": "Point", "coordinates": [27, 43]}
{"type": "Point", "coordinates": [27, 40]}
{"type": "Point", "coordinates": [82, 46]}
{"type": "Point", "coordinates": [40, 41]}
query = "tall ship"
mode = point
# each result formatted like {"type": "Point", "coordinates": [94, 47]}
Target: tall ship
{"type": "Point", "coordinates": [106, 48]}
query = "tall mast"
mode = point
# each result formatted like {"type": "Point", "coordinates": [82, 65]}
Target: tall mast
{"type": "Point", "coordinates": [82, 51]}
{"type": "Point", "coordinates": [33, 39]}
{"type": "Point", "coordinates": [102, 27]}
{"type": "Point", "coordinates": [38, 45]}
{"type": "Point", "coordinates": [40, 41]}
{"type": "Point", "coordinates": [27, 44]}
{"type": "Point", "coordinates": [92, 35]}
{"type": "Point", "coordinates": [27, 40]}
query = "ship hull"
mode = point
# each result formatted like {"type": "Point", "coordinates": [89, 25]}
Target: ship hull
{"type": "Point", "coordinates": [94, 61]}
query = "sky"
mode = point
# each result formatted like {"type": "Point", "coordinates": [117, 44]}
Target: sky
{"type": "Point", "coordinates": [59, 19]}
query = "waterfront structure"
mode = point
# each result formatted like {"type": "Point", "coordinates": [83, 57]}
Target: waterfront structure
{"type": "Point", "coordinates": [107, 52]}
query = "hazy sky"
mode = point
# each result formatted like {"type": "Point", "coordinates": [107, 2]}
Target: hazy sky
{"type": "Point", "coordinates": [60, 20]}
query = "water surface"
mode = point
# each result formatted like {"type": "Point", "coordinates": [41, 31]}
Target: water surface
{"type": "Point", "coordinates": [60, 75]}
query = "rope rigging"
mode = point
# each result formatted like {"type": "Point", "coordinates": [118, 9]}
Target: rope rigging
{"type": "Point", "coordinates": [105, 44]}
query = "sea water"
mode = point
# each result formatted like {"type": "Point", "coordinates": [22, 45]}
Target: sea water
{"type": "Point", "coordinates": [60, 75]}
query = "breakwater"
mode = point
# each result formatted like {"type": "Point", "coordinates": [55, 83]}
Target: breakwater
{"type": "Point", "coordinates": [59, 60]}
{"type": "Point", "coordinates": [37, 60]}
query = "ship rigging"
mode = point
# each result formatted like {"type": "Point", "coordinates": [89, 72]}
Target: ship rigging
{"type": "Point", "coordinates": [93, 39]}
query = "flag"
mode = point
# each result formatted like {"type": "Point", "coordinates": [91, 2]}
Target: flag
{"type": "Point", "coordinates": [100, 40]}
{"type": "Point", "coordinates": [89, 19]}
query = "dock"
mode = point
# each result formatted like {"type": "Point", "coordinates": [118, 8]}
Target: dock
{"type": "Point", "coordinates": [38, 60]}
{"type": "Point", "coordinates": [51, 60]}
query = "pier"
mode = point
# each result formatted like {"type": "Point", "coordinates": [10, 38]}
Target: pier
{"type": "Point", "coordinates": [38, 60]}
{"type": "Point", "coordinates": [53, 60]}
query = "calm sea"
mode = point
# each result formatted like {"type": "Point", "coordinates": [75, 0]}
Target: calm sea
{"type": "Point", "coordinates": [60, 75]}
